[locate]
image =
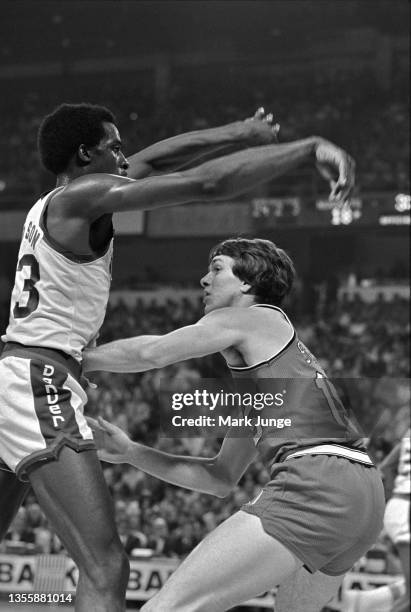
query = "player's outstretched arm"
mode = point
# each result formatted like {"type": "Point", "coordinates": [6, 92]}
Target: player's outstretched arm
{"type": "Point", "coordinates": [92, 196]}
{"type": "Point", "coordinates": [215, 332]}
{"type": "Point", "coordinates": [193, 148]}
{"type": "Point", "coordinates": [215, 475]}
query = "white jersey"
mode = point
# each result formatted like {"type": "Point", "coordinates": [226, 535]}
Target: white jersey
{"type": "Point", "coordinates": [59, 299]}
{"type": "Point", "coordinates": [402, 480]}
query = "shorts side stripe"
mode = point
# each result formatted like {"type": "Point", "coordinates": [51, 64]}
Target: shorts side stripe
{"type": "Point", "coordinates": [78, 398]}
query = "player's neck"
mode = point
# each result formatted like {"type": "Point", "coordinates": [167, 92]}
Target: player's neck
{"type": "Point", "coordinates": [63, 179]}
{"type": "Point", "coordinates": [72, 172]}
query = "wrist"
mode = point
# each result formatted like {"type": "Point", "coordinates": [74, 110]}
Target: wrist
{"type": "Point", "coordinates": [314, 143]}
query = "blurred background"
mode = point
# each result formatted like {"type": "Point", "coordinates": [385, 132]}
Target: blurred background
{"type": "Point", "coordinates": [329, 67]}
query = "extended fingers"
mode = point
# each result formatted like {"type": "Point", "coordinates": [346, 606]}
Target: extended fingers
{"type": "Point", "coordinates": [346, 180]}
{"type": "Point", "coordinates": [92, 422]}
{"type": "Point", "coordinates": [106, 425]}
{"type": "Point", "coordinates": [259, 113]}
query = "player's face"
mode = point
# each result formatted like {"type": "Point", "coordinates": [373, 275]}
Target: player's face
{"type": "Point", "coordinates": [221, 287]}
{"type": "Point", "coordinates": [107, 156]}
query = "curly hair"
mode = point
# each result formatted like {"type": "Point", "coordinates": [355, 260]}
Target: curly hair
{"type": "Point", "coordinates": [261, 264]}
{"type": "Point", "coordinates": [66, 128]}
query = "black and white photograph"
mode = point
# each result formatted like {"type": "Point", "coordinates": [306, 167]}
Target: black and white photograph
{"type": "Point", "coordinates": [204, 306]}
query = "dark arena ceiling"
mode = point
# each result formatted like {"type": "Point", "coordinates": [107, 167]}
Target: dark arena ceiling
{"type": "Point", "coordinates": [37, 30]}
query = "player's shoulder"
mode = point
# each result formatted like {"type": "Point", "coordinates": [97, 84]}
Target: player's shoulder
{"type": "Point", "coordinates": [233, 316]}
{"type": "Point", "coordinates": [90, 184]}
{"type": "Point", "coordinates": [79, 195]}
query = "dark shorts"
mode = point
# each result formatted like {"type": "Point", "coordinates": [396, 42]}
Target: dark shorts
{"type": "Point", "coordinates": [327, 510]}
{"type": "Point", "coordinates": [41, 409]}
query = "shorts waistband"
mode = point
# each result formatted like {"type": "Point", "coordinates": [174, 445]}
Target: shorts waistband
{"type": "Point", "coordinates": [405, 496]}
{"type": "Point", "coordinates": [333, 449]}
{"type": "Point", "coordinates": [21, 350]}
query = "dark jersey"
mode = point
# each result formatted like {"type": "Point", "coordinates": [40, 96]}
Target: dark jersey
{"type": "Point", "coordinates": [304, 408]}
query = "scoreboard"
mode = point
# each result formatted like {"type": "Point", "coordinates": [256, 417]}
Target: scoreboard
{"type": "Point", "coordinates": [371, 209]}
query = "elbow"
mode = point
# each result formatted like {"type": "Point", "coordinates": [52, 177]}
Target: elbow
{"type": "Point", "coordinates": [224, 488]}
{"type": "Point", "coordinates": [223, 482]}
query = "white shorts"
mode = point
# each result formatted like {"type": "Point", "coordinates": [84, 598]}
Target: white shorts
{"type": "Point", "coordinates": [397, 520]}
{"type": "Point", "coordinates": [41, 411]}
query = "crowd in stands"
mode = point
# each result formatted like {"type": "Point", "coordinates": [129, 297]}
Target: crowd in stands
{"type": "Point", "coordinates": [352, 340]}
{"type": "Point", "coordinates": [353, 110]}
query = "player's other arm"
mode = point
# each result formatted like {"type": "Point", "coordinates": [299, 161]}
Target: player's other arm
{"type": "Point", "coordinates": [213, 333]}
{"type": "Point", "coordinates": [193, 148]}
{"type": "Point", "coordinates": [215, 475]}
{"type": "Point", "coordinates": [92, 196]}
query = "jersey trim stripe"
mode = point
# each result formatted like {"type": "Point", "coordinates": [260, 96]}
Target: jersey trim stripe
{"type": "Point", "coordinates": [267, 361]}
{"type": "Point", "coordinates": [4, 467]}
{"type": "Point", "coordinates": [262, 363]}
{"type": "Point", "coordinates": [272, 307]}
{"type": "Point", "coordinates": [51, 453]}
{"type": "Point", "coordinates": [333, 449]}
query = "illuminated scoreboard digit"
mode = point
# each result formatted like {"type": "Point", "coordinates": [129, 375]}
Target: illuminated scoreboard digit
{"type": "Point", "coordinates": [402, 202]}
{"type": "Point", "coordinates": [341, 214]}
{"type": "Point", "coordinates": [345, 214]}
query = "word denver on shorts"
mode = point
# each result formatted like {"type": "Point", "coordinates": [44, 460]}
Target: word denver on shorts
{"type": "Point", "coordinates": [52, 395]}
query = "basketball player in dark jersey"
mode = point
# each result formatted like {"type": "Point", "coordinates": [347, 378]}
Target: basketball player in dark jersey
{"type": "Point", "coordinates": [324, 505]}
{"type": "Point", "coordinates": [59, 300]}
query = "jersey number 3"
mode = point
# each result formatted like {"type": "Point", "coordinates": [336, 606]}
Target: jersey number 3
{"type": "Point", "coordinates": [29, 294]}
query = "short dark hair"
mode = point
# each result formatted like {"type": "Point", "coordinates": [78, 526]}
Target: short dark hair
{"type": "Point", "coordinates": [66, 128]}
{"type": "Point", "coordinates": [261, 264]}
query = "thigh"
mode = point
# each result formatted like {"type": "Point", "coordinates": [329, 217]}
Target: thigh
{"type": "Point", "coordinates": [12, 493]}
{"type": "Point", "coordinates": [235, 562]}
{"type": "Point", "coordinates": [73, 494]}
{"type": "Point", "coordinates": [305, 592]}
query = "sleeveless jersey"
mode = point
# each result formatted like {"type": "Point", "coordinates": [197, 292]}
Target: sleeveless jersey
{"type": "Point", "coordinates": [402, 483]}
{"type": "Point", "coordinates": [305, 396]}
{"type": "Point", "coordinates": [59, 299]}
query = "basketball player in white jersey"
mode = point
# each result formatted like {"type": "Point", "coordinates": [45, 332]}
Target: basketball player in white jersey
{"type": "Point", "coordinates": [397, 511]}
{"type": "Point", "coordinates": [394, 597]}
{"type": "Point", "coordinates": [324, 505]}
{"type": "Point", "coordinates": [58, 304]}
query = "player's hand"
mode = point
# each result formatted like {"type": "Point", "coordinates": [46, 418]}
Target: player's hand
{"type": "Point", "coordinates": [111, 441]}
{"type": "Point", "coordinates": [338, 168]}
{"type": "Point", "coordinates": [262, 128]}
{"type": "Point", "coordinates": [87, 384]}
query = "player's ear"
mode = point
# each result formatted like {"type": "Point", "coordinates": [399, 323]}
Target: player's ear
{"type": "Point", "coordinates": [83, 155]}
{"type": "Point", "coordinates": [245, 287]}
